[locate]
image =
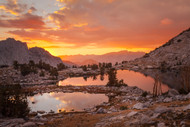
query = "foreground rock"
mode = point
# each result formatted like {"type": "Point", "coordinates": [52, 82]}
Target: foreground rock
{"type": "Point", "coordinates": [126, 107]}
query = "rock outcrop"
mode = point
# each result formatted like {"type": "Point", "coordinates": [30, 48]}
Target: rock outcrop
{"type": "Point", "coordinates": [173, 54]}
{"type": "Point", "coordinates": [36, 54]}
{"type": "Point", "coordinates": [12, 50]}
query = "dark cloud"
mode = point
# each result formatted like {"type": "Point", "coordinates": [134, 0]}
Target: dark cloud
{"type": "Point", "coordinates": [32, 9]}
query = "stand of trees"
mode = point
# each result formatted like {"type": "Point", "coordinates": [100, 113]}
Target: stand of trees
{"type": "Point", "coordinates": [100, 66]}
{"type": "Point", "coordinates": [32, 67]}
{"type": "Point", "coordinates": [112, 79]}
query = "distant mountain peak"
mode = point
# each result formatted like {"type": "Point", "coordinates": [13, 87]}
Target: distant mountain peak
{"type": "Point", "coordinates": [13, 50]}
{"type": "Point", "coordinates": [112, 57]}
{"type": "Point", "coordinates": [10, 39]}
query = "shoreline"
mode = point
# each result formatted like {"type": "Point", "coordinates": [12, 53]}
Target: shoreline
{"type": "Point", "coordinates": [126, 108]}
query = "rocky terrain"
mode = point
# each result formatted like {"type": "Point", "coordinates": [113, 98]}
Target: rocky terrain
{"type": "Point", "coordinates": [173, 54]}
{"type": "Point", "coordinates": [127, 107]}
{"type": "Point", "coordinates": [11, 76]}
{"type": "Point", "coordinates": [12, 50]}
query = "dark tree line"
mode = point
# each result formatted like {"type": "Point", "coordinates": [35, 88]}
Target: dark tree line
{"type": "Point", "coordinates": [33, 67]}
{"type": "Point", "coordinates": [100, 66]}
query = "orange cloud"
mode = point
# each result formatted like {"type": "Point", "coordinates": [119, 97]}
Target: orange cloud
{"type": "Point", "coordinates": [24, 21]}
{"type": "Point", "coordinates": [93, 24]}
{"type": "Point", "coordinates": [166, 21]}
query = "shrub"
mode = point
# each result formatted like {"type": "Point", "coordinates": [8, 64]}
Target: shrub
{"type": "Point", "coordinates": [4, 66]}
{"type": "Point", "coordinates": [25, 69]}
{"type": "Point", "coordinates": [123, 108]}
{"type": "Point", "coordinates": [54, 72]}
{"type": "Point", "coordinates": [102, 71]}
{"type": "Point", "coordinates": [179, 40]}
{"type": "Point", "coordinates": [15, 65]}
{"type": "Point", "coordinates": [84, 68]}
{"type": "Point", "coordinates": [146, 55]}
{"type": "Point", "coordinates": [182, 91]}
{"type": "Point", "coordinates": [13, 103]}
{"type": "Point", "coordinates": [94, 67]}
{"type": "Point", "coordinates": [144, 94]}
{"type": "Point", "coordinates": [61, 66]}
{"type": "Point", "coordinates": [163, 66]}
{"type": "Point", "coordinates": [42, 74]}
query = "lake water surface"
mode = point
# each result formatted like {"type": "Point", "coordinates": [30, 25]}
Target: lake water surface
{"type": "Point", "coordinates": [130, 77]}
{"type": "Point", "coordinates": [65, 101]}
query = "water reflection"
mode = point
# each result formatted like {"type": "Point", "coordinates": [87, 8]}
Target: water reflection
{"type": "Point", "coordinates": [13, 103]}
{"type": "Point", "coordinates": [157, 89]}
{"type": "Point", "coordinates": [171, 78]}
{"type": "Point", "coordinates": [65, 101]}
{"type": "Point", "coordinates": [130, 77]}
{"type": "Point", "coordinates": [83, 81]}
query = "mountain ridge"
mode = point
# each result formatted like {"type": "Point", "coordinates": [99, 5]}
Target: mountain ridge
{"type": "Point", "coordinates": [174, 53]}
{"type": "Point", "coordinates": [14, 50]}
{"type": "Point", "coordinates": [112, 57]}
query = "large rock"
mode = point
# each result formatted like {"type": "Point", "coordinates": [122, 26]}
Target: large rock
{"type": "Point", "coordinates": [162, 109]}
{"type": "Point", "coordinates": [132, 114]}
{"type": "Point", "coordinates": [145, 119]}
{"type": "Point", "coordinates": [139, 106]}
{"type": "Point", "coordinates": [168, 99]}
{"type": "Point", "coordinates": [29, 124]}
{"type": "Point", "coordinates": [161, 125]}
{"type": "Point", "coordinates": [12, 50]}
{"type": "Point", "coordinates": [188, 96]}
{"type": "Point", "coordinates": [172, 92]}
{"type": "Point", "coordinates": [186, 107]}
{"type": "Point", "coordinates": [101, 110]}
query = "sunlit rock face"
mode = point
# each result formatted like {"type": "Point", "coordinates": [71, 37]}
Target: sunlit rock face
{"type": "Point", "coordinates": [12, 50]}
{"type": "Point", "coordinates": [36, 54]}
{"type": "Point", "coordinates": [175, 53]}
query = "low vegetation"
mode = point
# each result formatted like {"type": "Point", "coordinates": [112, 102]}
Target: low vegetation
{"type": "Point", "coordinates": [12, 102]}
{"type": "Point", "coordinates": [144, 94]}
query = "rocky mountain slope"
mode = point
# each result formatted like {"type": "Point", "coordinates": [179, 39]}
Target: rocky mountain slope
{"type": "Point", "coordinates": [173, 54]}
{"type": "Point", "coordinates": [112, 57]}
{"type": "Point", "coordinates": [12, 50]}
{"type": "Point", "coordinates": [36, 54]}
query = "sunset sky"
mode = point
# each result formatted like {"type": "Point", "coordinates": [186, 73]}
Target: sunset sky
{"type": "Point", "coordinates": [69, 27]}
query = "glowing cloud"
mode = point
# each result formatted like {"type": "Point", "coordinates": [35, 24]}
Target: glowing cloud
{"type": "Point", "coordinates": [13, 7]}
{"type": "Point", "coordinates": [166, 21]}
{"type": "Point", "coordinates": [95, 25]}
